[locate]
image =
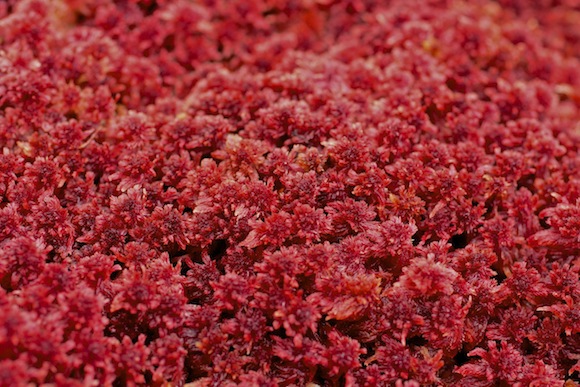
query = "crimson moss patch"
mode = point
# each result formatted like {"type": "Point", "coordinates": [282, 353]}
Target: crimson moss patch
{"type": "Point", "coordinates": [293, 193]}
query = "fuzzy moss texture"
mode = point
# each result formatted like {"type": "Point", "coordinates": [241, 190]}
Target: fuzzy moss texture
{"type": "Point", "coordinates": [290, 193]}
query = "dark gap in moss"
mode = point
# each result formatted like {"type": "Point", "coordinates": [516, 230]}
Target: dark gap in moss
{"type": "Point", "coordinates": [461, 357]}
{"type": "Point", "coordinates": [500, 276]}
{"type": "Point", "coordinates": [278, 186]}
{"type": "Point", "coordinates": [51, 256]}
{"type": "Point", "coordinates": [206, 155]}
{"type": "Point", "coordinates": [177, 255]}
{"type": "Point", "coordinates": [190, 373]}
{"type": "Point", "coordinates": [575, 377]}
{"type": "Point", "coordinates": [417, 237]}
{"type": "Point", "coordinates": [217, 249]}
{"type": "Point", "coordinates": [319, 379]}
{"type": "Point", "coordinates": [307, 282]}
{"type": "Point", "coordinates": [280, 142]}
{"type": "Point", "coordinates": [459, 241]}
{"type": "Point", "coordinates": [116, 274]}
{"type": "Point", "coordinates": [527, 347]}
{"type": "Point", "coordinates": [280, 332]}
{"type": "Point", "coordinates": [527, 181]}
{"type": "Point", "coordinates": [148, 7]}
{"type": "Point", "coordinates": [370, 348]}
{"type": "Point", "coordinates": [97, 178]}
{"type": "Point", "coordinates": [184, 269]}
{"type": "Point", "coordinates": [434, 114]}
{"type": "Point", "coordinates": [5, 283]}
{"type": "Point", "coordinates": [453, 85]}
{"type": "Point", "coordinates": [148, 377]}
{"type": "Point", "coordinates": [169, 43]}
{"type": "Point", "coordinates": [271, 11]}
{"type": "Point", "coordinates": [81, 18]}
{"type": "Point", "coordinates": [70, 115]}
{"type": "Point", "coordinates": [341, 381]}
{"type": "Point", "coordinates": [227, 314]}
{"type": "Point", "coordinates": [416, 341]}
{"type": "Point", "coordinates": [150, 336]}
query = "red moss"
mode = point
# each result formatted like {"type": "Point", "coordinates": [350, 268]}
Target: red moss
{"type": "Point", "coordinates": [289, 193]}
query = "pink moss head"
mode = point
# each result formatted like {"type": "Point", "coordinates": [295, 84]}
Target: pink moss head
{"type": "Point", "coordinates": [289, 193]}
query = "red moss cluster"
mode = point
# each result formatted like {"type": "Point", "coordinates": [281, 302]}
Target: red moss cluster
{"type": "Point", "coordinates": [290, 192]}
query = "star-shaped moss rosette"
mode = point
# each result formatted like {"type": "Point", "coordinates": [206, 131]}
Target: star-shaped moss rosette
{"type": "Point", "coordinates": [289, 193]}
